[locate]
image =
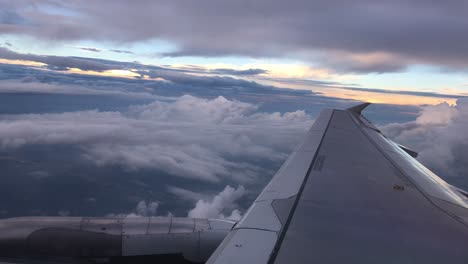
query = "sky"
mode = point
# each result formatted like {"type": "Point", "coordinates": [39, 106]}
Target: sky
{"type": "Point", "coordinates": [190, 107]}
{"type": "Point", "coordinates": [416, 46]}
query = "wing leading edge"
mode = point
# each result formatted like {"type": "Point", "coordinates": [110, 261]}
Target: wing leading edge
{"type": "Point", "coordinates": [347, 194]}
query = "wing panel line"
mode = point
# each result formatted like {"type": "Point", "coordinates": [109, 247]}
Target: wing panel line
{"type": "Point", "coordinates": [291, 214]}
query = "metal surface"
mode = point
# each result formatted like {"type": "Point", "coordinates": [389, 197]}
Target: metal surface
{"type": "Point", "coordinates": [410, 152]}
{"type": "Point", "coordinates": [77, 238]}
{"type": "Point", "coordinates": [159, 225]}
{"type": "Point", "coordinates": [350, 211]}
{"type": "Point", "coordinates": [352, 196]}
{"type": "Point", "coordinates": [427, 181]}
{"type": "Point", "coordinates": [261, 224]}
{"type": "Point", "coordinates": [358, 108]}
{"type": "Point", "coordinates": [236, 248]}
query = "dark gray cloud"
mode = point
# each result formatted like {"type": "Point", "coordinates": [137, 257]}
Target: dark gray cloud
{"type": "Point", "coordinates": [122, 51]}
{"type": "Point", "coordinates": [58, 62]}
{"type": "Point", "coordinates": [414, 31]}
{"type": "Point", "coordinates": [89, 49]}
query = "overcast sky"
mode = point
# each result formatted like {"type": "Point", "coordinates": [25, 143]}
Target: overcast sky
{"type": "Point", "coordinates": [392, 45]}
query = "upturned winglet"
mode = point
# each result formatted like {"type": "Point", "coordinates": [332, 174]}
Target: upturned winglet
{"type": "Point", "coordinates": [358, 108]}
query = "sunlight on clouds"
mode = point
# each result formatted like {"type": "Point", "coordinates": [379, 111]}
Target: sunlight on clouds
{"type": "Point", "coordinates": [22, 62]}
{"type": "Point", "coordinates": [293, 71]}
{"type": "Point", "coordinates": [371, 58]}
{"type": "Point", "coordinates": [108, 73]}
{"type": "Point", "coordinates": [279, 70]}
{"type": "Point", "coordinates": [453, 91]}
{"type": "Point", "coordinates": [122, 73]}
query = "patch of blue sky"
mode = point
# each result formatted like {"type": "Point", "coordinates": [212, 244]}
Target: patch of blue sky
{"type": "Point", "coordinates": [417, 78]}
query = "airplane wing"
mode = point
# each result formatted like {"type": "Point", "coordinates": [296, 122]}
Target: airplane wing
{"type": "Point", "coordinates": [348, 194]}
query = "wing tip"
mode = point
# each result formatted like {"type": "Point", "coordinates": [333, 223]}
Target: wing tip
{"type": "Point", "coordinates": [358, 108]}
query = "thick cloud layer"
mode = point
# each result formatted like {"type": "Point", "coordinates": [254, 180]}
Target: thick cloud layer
{"type": "Point", "coordinates": [191, 137]}
{"type": "Point", "coordinates": [58, 62]}
{"type": "Point", "coordinates": [385, 35]}
{"type": "Point", "coordinates": [439, 135]}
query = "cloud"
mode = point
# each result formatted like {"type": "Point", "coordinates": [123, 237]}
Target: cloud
{"type": "Point", "coordinates": [147, 209]}
{"type": "Point", "coordinates": [122, 51]}
{"type": "Point", "coordinates": [202, 139]}
{"type": "Point", "coordinates": [89, 49]}
{"type": "Point", "coordinates": [219, 204]}
{"type": "Point", "coordinates": [186, 194]}
{"type": "Point", "coordinates": [142, 209]}
{"type": "Point", "coordinates": [31, 84]}
{"type": "Point", "coordinates": [240, 72]}
{"type": "Point", "coordinates": [432, 32]}
{"type": "Point", "coordinates": [173, 78]}
{"type": "Point", "coordinates": [401, 92]}
{"type": "Point", "coordinates": [438, 135]}
{"type": "Point", "coordinates": [58, 62]}
{"type": "Point", "coordinates": [364, 62]}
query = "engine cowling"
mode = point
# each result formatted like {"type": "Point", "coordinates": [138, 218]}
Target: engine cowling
{"type": "Point", "coordinates": [105, 238]}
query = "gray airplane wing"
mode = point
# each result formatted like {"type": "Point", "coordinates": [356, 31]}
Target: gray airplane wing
{"type": "Point", "coordinates": [348, 194]}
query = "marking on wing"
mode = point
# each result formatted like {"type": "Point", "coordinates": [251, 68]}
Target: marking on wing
{"type": "Point", "coordinates": [318, 164]}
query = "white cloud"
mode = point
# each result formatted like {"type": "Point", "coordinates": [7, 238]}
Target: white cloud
{"type": "Point", "coordinates": [439, 135]}
{"type": "Point", "coordinates": [147, 209]}
{"type": "Point", "coordinates": [219, 204]}
{"type": "Point", "coordinates": [206, 139]}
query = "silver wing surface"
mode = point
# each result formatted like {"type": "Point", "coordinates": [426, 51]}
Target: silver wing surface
{"type": "Point", "coordinates": [348, 194]}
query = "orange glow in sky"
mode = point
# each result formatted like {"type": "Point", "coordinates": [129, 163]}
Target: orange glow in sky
{"type": "Point", "coordinates": [108, 73]}
{"type": "Point", "coordinates": [367, 96]}
{"type": "Point", "coordinates": [385, 98]}
{"type": "Point", "coordinates": [22, 62]}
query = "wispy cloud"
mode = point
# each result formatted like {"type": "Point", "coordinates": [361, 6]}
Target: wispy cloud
{"type": "Point", "coordinates": [91, 49]}
{"type": "Point", "coordinates": [122, 51]}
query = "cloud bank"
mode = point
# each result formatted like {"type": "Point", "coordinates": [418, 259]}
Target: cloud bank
{"type": "Point", "coordinates": [438, 134]}
{"type": "Point", "coordinates": [203, 139]}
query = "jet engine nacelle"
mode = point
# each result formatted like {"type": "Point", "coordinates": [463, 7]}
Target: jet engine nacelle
{"type": "Point", "coordinates": [106, 238]}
